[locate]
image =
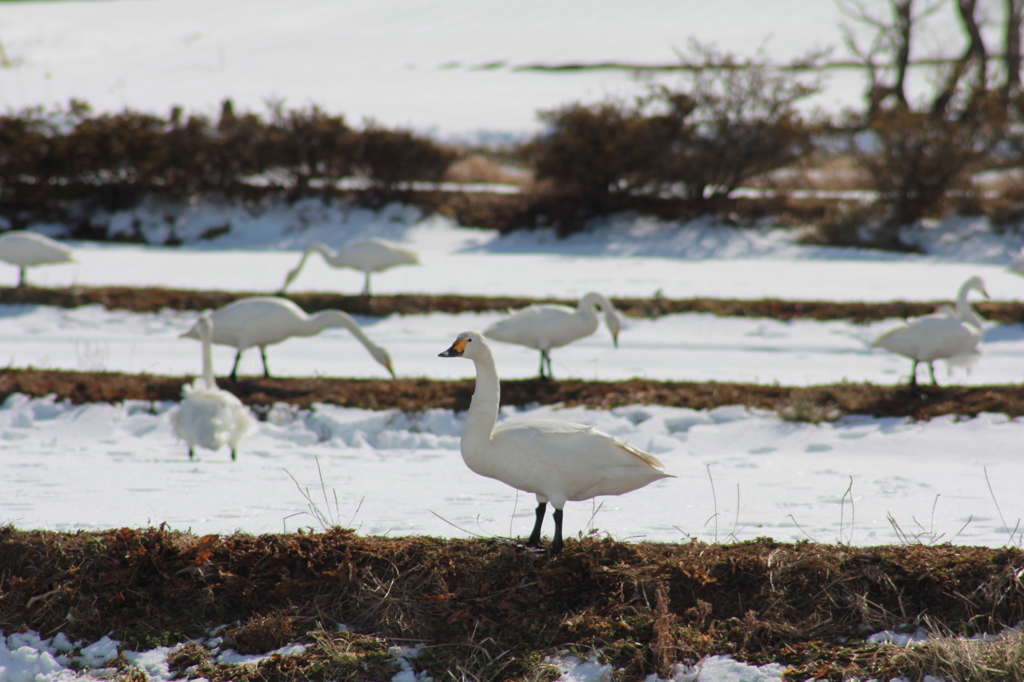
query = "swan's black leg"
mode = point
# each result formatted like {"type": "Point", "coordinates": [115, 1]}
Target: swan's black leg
{"type": "Point", "coordinates": [234, 368]}
{"type": "Point", "coordinates": [913, 374]}
{"type": "Point", "coordinates": [21, 277]}
{"type": "Point", "coordinates": [931, 371]}
{"type": "Point", "coordinates": [551, 375]}
{"type": "Point", "coordinates": [366, 286]}
{"type": "Point", "coordinates": [542, 354]}
{"type": "Point", "coordinates": [191, 452]}
{"type": "Point", "coordinates": [234, 454]}
{"type": "Point", "coordinates": [557, 544]}
{"type": "Point", "coordinates": [263, 354]}
{"type": "Point", "coordinates": [534, 540]}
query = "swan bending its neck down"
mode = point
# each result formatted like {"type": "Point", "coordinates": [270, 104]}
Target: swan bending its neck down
{"type": "Point", "coordinates": [372, 255]}
{"type": "Point", "coordinates": [544, 327]}
{"type": "Point", "coordinates": [265, 320]}
{"type": "Point", "coordinates": [939, 336]}
{"type": "Point", "coordinates": [208, 416]}
{"type": "Point", "coordinates": [557, 461]}
{"type": "Point", "coordinates": [27, 249]}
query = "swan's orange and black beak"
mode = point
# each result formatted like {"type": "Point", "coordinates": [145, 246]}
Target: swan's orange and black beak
{"type": "Point", "coordinates": [456, 350]}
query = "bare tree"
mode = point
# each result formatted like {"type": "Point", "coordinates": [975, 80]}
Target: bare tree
{"type": "Point", "coordinates": [920, 150]}
{"type": "Point", "coordinates": [886, 57]}
{"type": "Point", "coordinates": [1012, 50]}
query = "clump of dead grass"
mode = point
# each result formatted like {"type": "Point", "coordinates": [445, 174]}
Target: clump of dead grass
{"type": "Point", "coordinates": [642, 606]}
{"type": "Point", "coordinates": [998, 659]}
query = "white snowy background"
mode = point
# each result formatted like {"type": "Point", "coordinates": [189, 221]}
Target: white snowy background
{"type": "Point", "coordinates": [741, 473]}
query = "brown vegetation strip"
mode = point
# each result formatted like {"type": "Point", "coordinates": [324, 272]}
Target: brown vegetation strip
{"type": "Point", "coordinates": [812, 403]}
{"type": "Point", "coordinates": [154, 299]}
{"type": "Point", "coordinates": [643, 605]}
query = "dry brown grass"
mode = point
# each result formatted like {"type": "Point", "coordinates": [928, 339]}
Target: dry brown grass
{"type": "Point", "coordinates": [475, 169]}
{"type": "Point", "coordinates": [644, 606]}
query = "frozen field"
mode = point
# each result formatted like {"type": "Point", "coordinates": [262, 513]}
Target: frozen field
{"type": "Point", "coordinates": [741, 474]}
{"type": "Point", "coordinates": [451, 68]}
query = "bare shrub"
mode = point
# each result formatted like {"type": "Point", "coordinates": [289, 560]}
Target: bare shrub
{"type": "Point", "coordinates": [392, 159]}
{"type": "Point", "coordinates": [741, 122]}
{"type": "Point", "coordinates": [308, 144]}
{"type": "Point", "coordinates": [735, 119]}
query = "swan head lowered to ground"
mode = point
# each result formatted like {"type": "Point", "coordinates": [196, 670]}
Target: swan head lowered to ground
{"type": "Point", "coordinates": [544, 327]}
{"type": "Point", "coordinates": [27, 249]}
{"type": "Point", "coordinates": [369, 256]}
{"type": "Point", "coordinates": [208, 416]}
{"type": "Point", "coordinates": [262, 321]}
{"type": "Point", "coordinates": [939, 336]}
{"type": "Point", "coordinates": [558, 461]}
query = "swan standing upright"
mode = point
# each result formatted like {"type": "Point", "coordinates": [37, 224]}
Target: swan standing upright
{"type": "Point", "coordinates": [557, 461]}
{"type": "Point", "coordinates": [208, 416]}
{"type": "Point", "coordinates": [372, 255]}
{"type": "Point", "coordinates": [938, 336]}
{"type": "Point", "coordinates": [544, 327]}
{"type": "Point", "coordinates": [27, 249]}
{"type": "Point", "coordinates": [265, 320]}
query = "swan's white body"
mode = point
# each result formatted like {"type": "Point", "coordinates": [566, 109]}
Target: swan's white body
{"type": "Point", "coordinates": [372, 255]}
{"type": "Point", "coordinates": [557, 461]}
{"type": "Point", "coordinates": [939, 336]}
{"type": "Point", "coordinates": [27, 249]}
{"type": "Point", "coordinates": [208, 416]}
{"type": "Point", "coordinates": [544, 327]}
{"type": "Point", "coordinates": [965, 361]}
{"type": "Point", "coordinates": [262, 321]}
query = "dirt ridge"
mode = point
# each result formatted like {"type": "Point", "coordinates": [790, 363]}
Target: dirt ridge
{"type": "Point", "coordinates": [155, 299]}
{"type": "Point", "coordinates": [810, 403]}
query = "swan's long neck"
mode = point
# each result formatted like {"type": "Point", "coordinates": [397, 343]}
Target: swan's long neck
{"type": "Point", "coordinates": [322, 249]}
{"type": "Point", "coordinates": [206, 336]}
{"type": "Point", "coordinates": [587, 308]}
{"type": "Point", "coordinates": [334, 318]}
{"type": "Point", "coordinates": [483, 408]}
{"type": "Point", "coordinates": [964, 310]}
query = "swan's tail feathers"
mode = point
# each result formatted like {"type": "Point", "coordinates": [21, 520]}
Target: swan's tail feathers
{"type": "Point", "coordinates": [646, 457]}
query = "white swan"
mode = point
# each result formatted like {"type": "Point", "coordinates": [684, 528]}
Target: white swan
{"type": "Point", "coordinates": [265, 320]}
{"type": "Point", "coordinates": [208, 416]}
{"type": "Point", "coordinates": [27, 249]}
{"type": "Point", "coordinates": [544, 327]}
{"type": "Point", "coordinates": [556, 460]}
{"type": "Point", "coordinates": [372, 255]}
{"type": "Point", "coordinates": [937, 336]}
{"type": "Point", "coordinates": [965, 361]}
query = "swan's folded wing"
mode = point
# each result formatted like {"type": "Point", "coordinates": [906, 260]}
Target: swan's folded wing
{"type": "Point", "coordinates": [569, 438]}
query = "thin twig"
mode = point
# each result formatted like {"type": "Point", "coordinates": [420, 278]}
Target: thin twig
{"type": "Point", "coordinates": [801, 529]}
{"type": "Point", "coordinates": [714, 500]}
{"type": "Point", "coordinates": [476, 535]}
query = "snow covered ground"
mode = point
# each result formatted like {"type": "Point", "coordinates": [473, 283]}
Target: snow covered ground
{"type": "Point", "coordinates": [737, 469]}
{"type": "Point", "coordinates": [451, 66]}
{"type": "Point", "coordinates": [448, 66]}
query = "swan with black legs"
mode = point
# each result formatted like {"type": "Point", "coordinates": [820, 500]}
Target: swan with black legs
{"type": "Point", "coordinates": [208, 416]}
{"type": "Point", "coordinates": [369, 256]}
{"type": "Point", "coordinates": [939, 336]}
{"type": "Point", "coordinates": [261, 321]}
{"type": "Point", "coordinates": [544, 327]}
{"type": "Point", "coordinates": [27, 249]}
{"type": "Point", "coordinates": [558, 461]}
